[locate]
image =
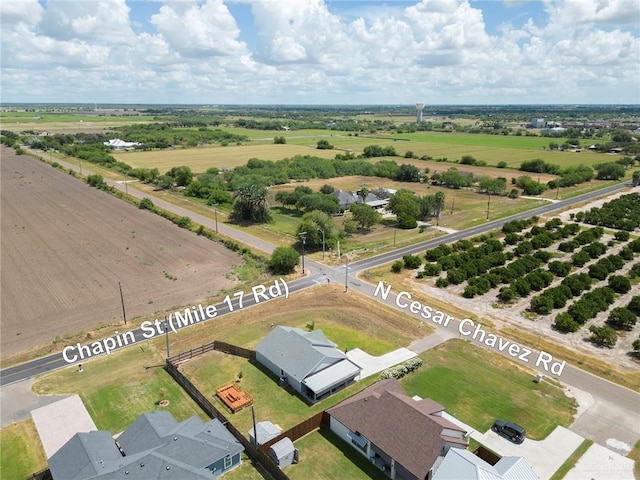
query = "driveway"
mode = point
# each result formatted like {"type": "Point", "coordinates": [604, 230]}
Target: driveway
{"type": "Point", "coordinates": [545, 456]}
{"type": "Point", "coordinates": [371, 365]}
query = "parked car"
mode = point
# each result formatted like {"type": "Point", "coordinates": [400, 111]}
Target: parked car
{"type": "Point", "coordinates": [509, 430]}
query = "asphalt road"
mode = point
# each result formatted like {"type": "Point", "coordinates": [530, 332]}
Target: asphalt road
{"type": "Point", "coordinates": [615, 411]}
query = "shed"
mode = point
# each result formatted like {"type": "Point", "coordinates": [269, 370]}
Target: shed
{"type": "Point", "coordinates": [266, 431]}
{"type": "Point", "coordinates": [284, 453]}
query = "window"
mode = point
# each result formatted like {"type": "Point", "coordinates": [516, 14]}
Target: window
{"type": "Point", "coordinates": [227, 462]}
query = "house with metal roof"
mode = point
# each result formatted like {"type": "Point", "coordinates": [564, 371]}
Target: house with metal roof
{"type": "Point", "coordinates": [154, 446]}
{"type": "Point", "coordinates": [402, 436]}
{"type": "Point", "coordinates": [458, 463]}
{"type": "Point", "coordinates": [307, 361]}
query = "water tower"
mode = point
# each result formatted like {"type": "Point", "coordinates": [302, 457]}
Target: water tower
{"type": "Point", "coordinates": [419, 107]}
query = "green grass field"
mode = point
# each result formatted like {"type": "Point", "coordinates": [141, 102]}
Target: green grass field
{"type": "Point", "coordinates": [21, 452]}
{"type": "Point", "coordinates": [325, 456]}
{"type": "Point", "coordinates": [115, 397]}
{"type": "Point", "coordinates": [478, 386]}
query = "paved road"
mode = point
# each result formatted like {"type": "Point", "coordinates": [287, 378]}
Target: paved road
{"type": "Point", "coordinates": [615, 411]}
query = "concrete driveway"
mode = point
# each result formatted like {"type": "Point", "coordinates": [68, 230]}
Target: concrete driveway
{"type": "Point", "coordinates": [545, 456]}
{"type": "Point", "coordinates": [371, 365]}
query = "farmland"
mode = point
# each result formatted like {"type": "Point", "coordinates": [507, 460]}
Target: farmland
{"type": "Point", "coordinates": [489, 148]}
{"type": "Point", "coordinates": [66, 248]}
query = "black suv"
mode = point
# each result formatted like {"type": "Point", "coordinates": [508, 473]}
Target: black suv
{"type": "Point", "coordinates": [510, 431]}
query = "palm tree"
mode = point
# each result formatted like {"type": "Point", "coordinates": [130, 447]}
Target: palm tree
{"type": "Point", "coordinates": [438, 204]}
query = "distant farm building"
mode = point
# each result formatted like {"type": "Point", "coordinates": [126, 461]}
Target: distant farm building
{"type": "Point", "coordinates": [118, 144]}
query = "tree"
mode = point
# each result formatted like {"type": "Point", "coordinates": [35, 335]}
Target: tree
{"type": "Point", "coordinates": [283, 260]}
{"type": "Point", "coordinates": [318, 201]}
{"type": "Point", "coordinates": [542, 304]}
{"type": "Point", "coordinates": [279, 140]}
{"type": "Point", "coordinates": [312, 223]}
{"type": "Point", "coordinates": [407, 173]}
{"type": "Point", "coordinates": [438, 204]}
{"type": "Point", "coordinates": [182, 176]}
{"type": "Point", "coordinates": [365, 215]}
{"type": "Point", "coordinates": [609, 171]}
{"type": "Point", "coordinates": [405, 205]}
{"type": "Point", "coordinates": [605, 336]}
{"type": "Point", "coordinates": [636, 346]}
{"type": "Point", "coordinates": [622, 318]}
{"type": "Point", "coordinates": [634, 305]}
{"type": "Point", "coordinates": [146, 204]}
{"type": "Point", "coordinates": [635, 178]}
{"type": "Point", "coordinates": [251, 203]}
{"type": "Point", "coordinates": [363, 193]}
{"type": "Point", "coordinates": [619, 283]}
{"type": "Point", "coordinates": [324, 145]}
{"type": "Point", "coordinates": [565, 323]}
{"type": "Point", "coordinates": [327, 189]}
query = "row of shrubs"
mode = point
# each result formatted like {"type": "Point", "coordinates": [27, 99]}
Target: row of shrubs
{"type": "Point", "coordinates": [401, 370]}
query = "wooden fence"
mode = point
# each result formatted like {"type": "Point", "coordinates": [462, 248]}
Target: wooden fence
{"type": "Point", "coordinates": [300, 430]}
{"type": "Point", "coordinates": [208, 347]}
{"type": "Point", "coordinates": [41, 475]}
{"type": "Point", "coordinates": [263, 462]}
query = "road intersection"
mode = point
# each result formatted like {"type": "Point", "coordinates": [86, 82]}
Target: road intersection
{"type": "Point", "coordinates": [611, 420]}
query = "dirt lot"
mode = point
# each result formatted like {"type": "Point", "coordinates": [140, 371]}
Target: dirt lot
{"type": "Point", "coordinates": [66, 246]}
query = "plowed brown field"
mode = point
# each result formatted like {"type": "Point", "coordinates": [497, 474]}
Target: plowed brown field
{"type": "Point", "coordinates": [65, 246]}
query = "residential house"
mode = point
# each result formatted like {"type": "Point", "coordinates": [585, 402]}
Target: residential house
{"type": "Point", "coordinates": [154, 446]}
{"type": "Point", "coordinates": [402, 436]}
{"type": "Point", "coordinates": [308, 361]}
{"type": "Point", "coordinates": [459, 463]}
{"type": "Point", "coordinates": [346, 199]}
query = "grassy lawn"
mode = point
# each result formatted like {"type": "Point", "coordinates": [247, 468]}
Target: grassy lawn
{"type": "Point", "coordinates": [21, 452]}
{"type": "Point", "coordinates": [572, 460]}
{"type": "Point", "coordinates": [116, 389]}
{"type": "Point", "coordinates": [325, 456]}
{"type": "Point", "coordinates": [478, 386]}
{"type": "Point", "coordinates": [634, 455]}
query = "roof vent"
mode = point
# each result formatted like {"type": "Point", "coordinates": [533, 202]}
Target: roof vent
{"type": "Point", "coordinates": [142, 464]}
{"type": "Point", "coordinates": [126, 472]}
{"type": "Point", "coordinates": [168, 467]}
{"type": "Point", "coordinates": [175, 439]}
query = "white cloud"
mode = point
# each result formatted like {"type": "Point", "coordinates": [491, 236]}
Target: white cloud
{"type": "Point", "coordinates": [307, 51]}
{"type": "Point", "coordinates": [96, 21]}
{"type": "Point", "coordinates": [603, 12]}
{"type": "Point", "coordinates": [197, 30]}
{"type": "Point", "coordinates": [25, 11]}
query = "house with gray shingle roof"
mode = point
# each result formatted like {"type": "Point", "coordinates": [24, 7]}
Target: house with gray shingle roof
{"type": "Point", "coordinates": [402, 436]}
{"type": "Point", "coordinates": [346, 199]}
{"type": "Point", "coordinates": [154, 446]}
{"type": "Point", "coordinates": [307, 361]}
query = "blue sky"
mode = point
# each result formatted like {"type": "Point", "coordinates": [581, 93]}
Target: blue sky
{"type": "Point", "coordinates": [321, 51]}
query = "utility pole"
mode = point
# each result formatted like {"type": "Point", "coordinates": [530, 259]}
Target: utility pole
{"type": "Point", "coordinates": [346, 273]}
{"type": "Point", "coordinates": [322, 231]}
{"type": "Point", "coordinates": [166, 335]}
{"type": "Point", "coordinates": [488, 205]}
{"type": "Point", "coordinates": [215, 209]}
{"type": "Point", "coordinates": [124, 314]}
{"type": "Point", "coordinates": [303, 237]}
